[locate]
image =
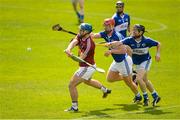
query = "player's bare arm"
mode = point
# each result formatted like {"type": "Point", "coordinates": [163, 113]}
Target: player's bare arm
{"type": "Point", "coordinates": [118, 50]}
{"type": "Point", "coordinates": [114, 44]}
{"type": "Point", "coordinates": [95, 35]}
{"type": "Point", "coordinates": [73, 43]}
{"type": "Point", "coordinates": [157, 57]}
{"type": "Point", "coordinates": [129, 50]}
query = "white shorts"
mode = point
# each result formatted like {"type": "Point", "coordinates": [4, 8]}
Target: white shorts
{"type": "Point", "coordinates": [85, 72]}
{"type": "Point", "coordinates": [144, 65]}
{"type": "Point", "coordinates": [124, 68]}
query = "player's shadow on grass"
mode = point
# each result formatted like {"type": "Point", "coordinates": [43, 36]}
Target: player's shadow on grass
{"type": "Point", "coordinates": [99, 113]}
{"type": "Point", "coordinates": [154, 111]}
{"type": "Point", "coordinates": [129, 107]}
{"type": "Point", "coordinates": [137, 109]}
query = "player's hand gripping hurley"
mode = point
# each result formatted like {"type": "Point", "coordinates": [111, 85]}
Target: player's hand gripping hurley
{"type": "Point", "coordinates": [78, 59]}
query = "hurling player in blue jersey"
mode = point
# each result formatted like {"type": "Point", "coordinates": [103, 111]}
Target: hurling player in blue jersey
{"type": "Point", "coordinates": [121, 67]}
{"type": "Point", "coordinates": [122, 20]}
{"type": "Point", "coordinates": [142, 59]}
{"type": "Point", "coordinates": [80, 13]}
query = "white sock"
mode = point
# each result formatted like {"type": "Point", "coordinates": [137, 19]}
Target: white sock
{"type": "Point", "coordinates": [75, 104]}
{"type": "Point", "coordinates": [104, 89]}
{"type": "Point", "coordinates": [138, 94]}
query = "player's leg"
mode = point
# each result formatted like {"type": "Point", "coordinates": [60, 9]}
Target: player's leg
{"type": "Point", "coordinates": [113, 73]}
{"type": "Point", "coordinates": [81, 12]}
{"type": "Point", "coordinates": [125, 68]}
{"type": "Point", "coordinates": [141, 71]}
{"type": "Point", "coordinates": [132, 85]}
{"type": "Point", "coordinates": [142, 84]}
{"type": "Point", "coordinates": [75, 80]}
{"type": "Point", "coordinates": [74, 3]}
{"type": "Point", "coordinates": [113, 76]}
{"type": "Point", "coordinates": [150, 87]}
{"type": "Point", "coordinates": [94, 83]}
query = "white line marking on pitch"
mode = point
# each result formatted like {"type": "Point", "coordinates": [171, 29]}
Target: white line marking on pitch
{"type": "Point", "coordinates": [161, 28]}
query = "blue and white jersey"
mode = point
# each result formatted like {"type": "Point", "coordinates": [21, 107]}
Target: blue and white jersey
{"type": "Point", "coordinates": [140, 48]}
{"type": "Point", "coordinates": [121, 23]}
{"type": "Point", "coordinates": [114, 37]}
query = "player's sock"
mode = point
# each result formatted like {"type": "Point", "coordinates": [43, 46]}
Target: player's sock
{"type": "Point", "coordinates": [154, 94]}
{"type": "Point", "coordinates": [104, 89]}
{"type": "Point", "coordinates": [81, 18]}
{"type": "Point", "coordinates": [145, 95]}
{"type": "Point", "coordinates": [138, 94]}
{"type": "Point", "coordinates": [78, 15]}
{"type": "Point", "coordinates": [75, 104]}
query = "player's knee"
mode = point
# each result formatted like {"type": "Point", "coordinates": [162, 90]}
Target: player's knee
{"type": "Point", "coordinates": [146, 82]}
{"type": "Point", "coordinates": [139, 78]}
{"type": "Point", "coordinates": [71, 85]}
{"type": "Point", "coordinates": [109, 79]}
{"type": "Point", "coordinates": [86, 81]}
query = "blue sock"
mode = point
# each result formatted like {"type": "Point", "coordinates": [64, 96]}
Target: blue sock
{"type": "Point", "coordinates": [77, 13]}
{"type": "Point", "coordinates": [145, 95]}
{"type": "Point", "coordinates": [154, 94]}
{"type": "Point", "coordinates": [81, 17]}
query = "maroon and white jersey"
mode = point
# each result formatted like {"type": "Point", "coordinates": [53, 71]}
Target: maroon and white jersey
{"type": "Point", "coordinates": [86, 46]}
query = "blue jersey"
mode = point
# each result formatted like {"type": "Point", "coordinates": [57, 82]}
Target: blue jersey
{"type": "Point", "coordinates": [114, 37]}
{"type": "Point", "coordinates": [121, 23]}
{"type": "Point", "coordinates": [140, 48]}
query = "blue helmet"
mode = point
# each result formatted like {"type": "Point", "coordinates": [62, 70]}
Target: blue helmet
{"type": "Point", "coordinates": [86, 27]}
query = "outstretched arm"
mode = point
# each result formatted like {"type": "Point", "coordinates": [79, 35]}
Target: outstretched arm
{"type": "Point", "coordinates": [157, 57]}
{"type": "Point", "coordinates": [114, 44]}
{"type": "Point", "coordinates": [119, 50]}
{"type": "Point", "coordinates": [95, 35]}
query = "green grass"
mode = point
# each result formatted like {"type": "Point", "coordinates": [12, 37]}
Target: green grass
{"type": "Point", "coordinates": [34, 84]}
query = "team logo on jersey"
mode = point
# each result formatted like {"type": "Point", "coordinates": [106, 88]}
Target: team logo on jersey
{"type": "Point", "coordinates": [132, 45]}
{"type": "Point", "coordinates": [119, 20]}
{"type": "Point", "coordinates": [126, 19]}
{"type": "Point", "coordinates": [108, 39]}
{"type": "Point", "coordinates": [143, 44]}
{"type": "Point", "coordinates": [138, 45]}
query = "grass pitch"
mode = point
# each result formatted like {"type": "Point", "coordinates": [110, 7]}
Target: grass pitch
{"type": "Point", "coordinates": [34, 83]}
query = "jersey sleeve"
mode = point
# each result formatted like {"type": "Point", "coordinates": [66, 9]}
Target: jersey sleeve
{"type": "Point", "coordinates": [126, 41]}
{"type": "Point", "coordinates": [103, 35]}
{"type": "Point", "coordinates": [151, 42]}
